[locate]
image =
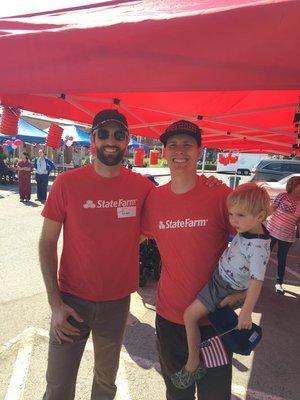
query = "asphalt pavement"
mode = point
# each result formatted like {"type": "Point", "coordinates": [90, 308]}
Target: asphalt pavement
{"type": "Point", "coordinates": [269, 373]}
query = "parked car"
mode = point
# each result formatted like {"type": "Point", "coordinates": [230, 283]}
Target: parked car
{"type": "Point", "coordinates": [275, 170]}
{"type": "Point", "coordinates": [274, 188]}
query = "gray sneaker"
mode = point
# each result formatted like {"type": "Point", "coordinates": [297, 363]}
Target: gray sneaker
{"type": "Point", "coordinates": [182, 379]}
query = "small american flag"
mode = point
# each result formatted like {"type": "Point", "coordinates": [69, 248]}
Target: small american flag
{"type": "Point", "coordinates": [213, 352]}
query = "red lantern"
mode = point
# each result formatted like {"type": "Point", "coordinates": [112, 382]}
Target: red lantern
{"type": "Point", "coordinates": [138, 157]}
{"type": "Point", "coordinates": [17, 142]}
{"type": "Point", "coordinates": [154, 157]}
{"type": "Point", "coordinates": [222, 159]}
{"type": "Point", "coordinates": [54, 136]}
{"type": "Point", "coordinates": [9, 121]}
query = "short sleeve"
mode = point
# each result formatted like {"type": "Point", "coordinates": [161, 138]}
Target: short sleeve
{"type": "Point", "coordinates": [56, 205]}
{"type": "Point", "coordinates": [146, 225]}
{"type": "Point", "coordinates": [224, 215]}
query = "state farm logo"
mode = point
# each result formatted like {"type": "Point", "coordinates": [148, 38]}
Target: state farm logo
{"type": "Point", "coordinates": [161, 225]}
{"type": "Point", "coordinates": [89, 204]}
{"type": "Point", "coordinates": [110, 203]}
{"type": "Point", "coordinates": [182, 223]}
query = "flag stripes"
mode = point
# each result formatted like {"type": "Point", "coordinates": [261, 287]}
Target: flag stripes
{"type": "Point", "coordinates": [213, 353]}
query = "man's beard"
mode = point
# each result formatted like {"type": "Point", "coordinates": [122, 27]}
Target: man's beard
{"type": "Point", "coordinates": [110, 159]}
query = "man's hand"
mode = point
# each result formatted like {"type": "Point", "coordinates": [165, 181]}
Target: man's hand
{"type": "Point", "coordinates": [62, 329]}
{"type": "Point", "coordinates": [233, 300]}
{"type": "Point", "coordinates": [245, 320]}
{"type": "Point", "coordinates": [212, 181]}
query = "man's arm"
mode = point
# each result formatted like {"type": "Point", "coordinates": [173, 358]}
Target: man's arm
{"type": "Point", "coordinates": [49, 265]}
{"type": "Point", "coordinates": [48, 259]}
{"type": "Point", "coordinates": [142, 238]}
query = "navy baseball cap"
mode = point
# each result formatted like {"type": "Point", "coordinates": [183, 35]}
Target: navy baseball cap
{"type": "Point", "coordinates": [240, 341]}
{"type": "Point", "coordinates": [109, 115]}
{"type": "Point", "coordinates": [182, 127]}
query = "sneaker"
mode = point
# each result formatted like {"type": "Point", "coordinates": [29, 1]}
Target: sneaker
{"type": "Point", "coordinates": [199, 372]}
{"type": "Point", "coordinates": [182, 379]}
{"type": "Point", "coordinates": [279, 289]}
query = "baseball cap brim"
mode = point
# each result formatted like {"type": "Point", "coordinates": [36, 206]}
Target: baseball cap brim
{"type": "Point", "coordinates": [166, 136]}
{"type": "Point", "coordinates": [111, 120]}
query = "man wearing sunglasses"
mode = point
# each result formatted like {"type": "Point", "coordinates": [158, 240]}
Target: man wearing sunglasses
{"type": "Point", "coordinates": [99, 206]}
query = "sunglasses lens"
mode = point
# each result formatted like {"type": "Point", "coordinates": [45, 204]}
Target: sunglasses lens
{"type": "Point", "coordinates": [120, 135]}
{"type": "Point", "coordinates": [102, 134]}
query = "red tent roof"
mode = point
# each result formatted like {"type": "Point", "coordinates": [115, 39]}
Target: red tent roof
{"type": "Point", "coordinates": [232, 65]}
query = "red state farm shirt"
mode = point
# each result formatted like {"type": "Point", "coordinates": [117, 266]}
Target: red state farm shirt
{"type": "Point", "coordinates": [191, 231]}
{"type": "Point", "coordinates": [101, 220]}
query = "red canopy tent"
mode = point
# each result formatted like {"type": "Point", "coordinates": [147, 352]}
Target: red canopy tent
{"type": "Point", "coordinates": [232, 66]}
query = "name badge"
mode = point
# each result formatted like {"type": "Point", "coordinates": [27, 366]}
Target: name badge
{"type": "Point", "coordinates": [126, 212]}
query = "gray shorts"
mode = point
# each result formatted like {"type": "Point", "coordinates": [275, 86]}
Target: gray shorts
{"type": "Point", "coordinates": [215, 291]}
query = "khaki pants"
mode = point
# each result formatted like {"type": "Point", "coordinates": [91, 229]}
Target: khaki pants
{"type": "Point", "coordinates": [106, 320]}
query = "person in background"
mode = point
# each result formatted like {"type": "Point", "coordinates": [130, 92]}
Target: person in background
{"type": "Point", "coordinates": [7, 174]}
{"type": "Point", "coordinates": [282, 225]}
{"type": "Point", "coordinates": [43, 166]}
{"type": "Point", "coordinates": [24, 168]}
{"type": "Point", "coordinates": [76, 157]}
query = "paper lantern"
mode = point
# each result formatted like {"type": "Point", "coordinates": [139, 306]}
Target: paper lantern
{"type": "Point", "coordinates": [9, 121]}
{"type": "Point", "coordinates": [17, 142]}
{"type": "Point", "coordinates": [54, 136]}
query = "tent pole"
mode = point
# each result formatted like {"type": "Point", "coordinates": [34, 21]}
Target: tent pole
{"type": "Point", "coordinates": [203, 159]}
{"type": "Point", "coordinates": [80, 107]}
{"type": "Point", "coordinates": [63, 158]}
{"type": "Point", "coordinates": [138, 118]}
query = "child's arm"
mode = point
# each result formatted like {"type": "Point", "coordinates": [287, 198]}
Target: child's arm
{"type": "Point", "coordinates": [254, 289]}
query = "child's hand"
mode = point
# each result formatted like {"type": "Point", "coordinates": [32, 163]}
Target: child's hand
{"type": "Point", "coordinates": [245, 320]}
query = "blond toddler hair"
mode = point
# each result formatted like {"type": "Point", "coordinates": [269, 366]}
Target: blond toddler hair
{"type": "Point", "coordinates": [251, 198]}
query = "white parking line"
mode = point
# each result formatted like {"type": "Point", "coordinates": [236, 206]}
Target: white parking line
{"type": "Point", "coordinates": [20, 370]}
{"type": "Point", "coordinates": [21, 366]}
{"type": "Point", "coordinates": [122, 382]}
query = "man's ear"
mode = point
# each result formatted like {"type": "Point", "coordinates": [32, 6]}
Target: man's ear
{"type": "Point", "coordinates": [92, 137]}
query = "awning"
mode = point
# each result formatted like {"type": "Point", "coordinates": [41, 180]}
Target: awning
{"type": "Point", "coordinates": [231, 66]}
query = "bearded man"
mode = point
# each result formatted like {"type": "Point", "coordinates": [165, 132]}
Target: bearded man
{"type": "Point", "coordinates": [99, 206]}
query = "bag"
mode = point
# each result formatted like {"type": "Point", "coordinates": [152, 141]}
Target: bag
{"type": "Point", "coordinates": [238, 341]}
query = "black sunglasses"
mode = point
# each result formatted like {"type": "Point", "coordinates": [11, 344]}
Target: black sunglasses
{"type": "Point", "coordinates": [103, 134]}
